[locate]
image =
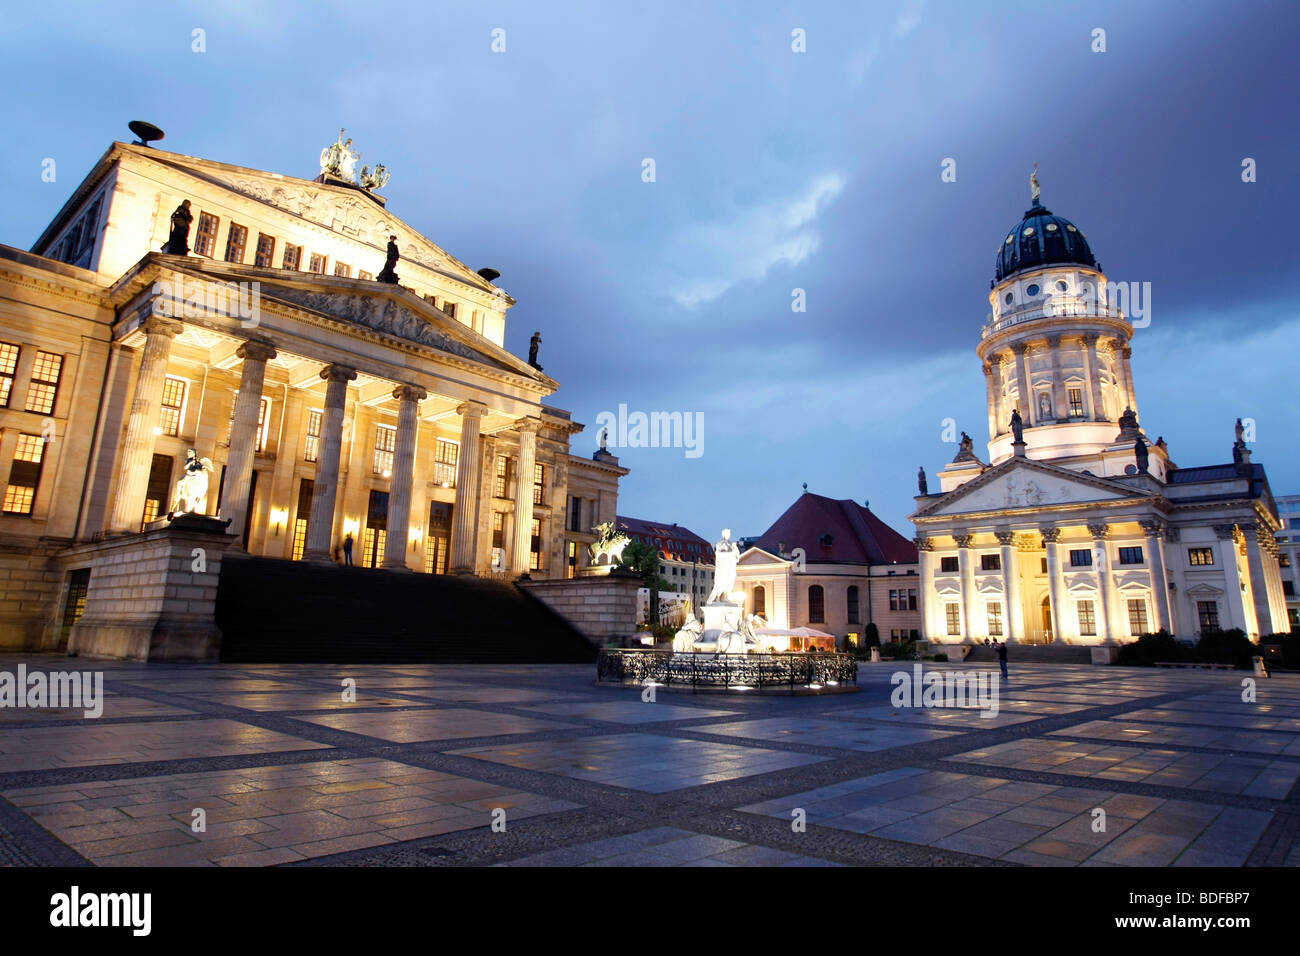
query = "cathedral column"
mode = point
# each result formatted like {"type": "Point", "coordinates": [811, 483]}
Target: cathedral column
{"type": "Point", "coordinates": [1000, 415]}
{"type": "Point", "coordinates": [967, 585]}
{"type": "Point", "coordinates": [1239, 613]}
{"type": "Point", "coordinates": [1092, 378]}
{"type": "Point", "coordinates": [991, 400]}
{"type": "Point", "coordinates": [1055, 583]}
{"type": "Point", "coordinates": [1012, 612]}
{"type": "Point", "coordinates": [527, 429]}
{"type": "Point", "coordinates": [467, 480]}
{"type": "Point", "coordinates": [1254, 536]}
{"type": "Point", "coordinates": [1106, 631]}
{"type": "Point", "coordinates": [925, 554]}
{"type": "Point", "coordinates": [136, 457]}
{"type": "Point", "coordinates": [1155, 533]}
{"type": "Point", "coordinates": [1060, 403]}
{"type": "Point", "coordinates": [399, 485]}
{"type": "Point", "coordinates": [1026, 399]}
{"type": "Point", "coordinates": [320, 527]}
{"type": "Point", "coordinates": [243, 436]}
{"type": "Point", "coordinates": [1125, 354]}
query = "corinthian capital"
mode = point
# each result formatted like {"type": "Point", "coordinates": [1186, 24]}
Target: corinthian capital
{"type": "Point", "coordinates": [1050, 535]}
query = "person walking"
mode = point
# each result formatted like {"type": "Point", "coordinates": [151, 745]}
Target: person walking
{"type": "Point", "coordinates": [1002, 657]}
{"type": "Point", "coordinates": [347, 561]}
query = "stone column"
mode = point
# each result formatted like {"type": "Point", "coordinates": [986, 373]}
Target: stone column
{"type": "Point", "coordinates": [1155, 544]}
{"type": "Point", "coordinates": [1060, 403]}
{"type": "Point", "coordinates": [467, 479]}
{"type": "Point", "coordinates": [991, 401]}
{"type": "Point", "coordinates": [925, 554]}
{"type": "Point", "coordinates": [136, 457]}
{"type": "Point", "coordinates": [1027, 410]}
{"type": "Point", "coordinates": [1055, 583]}
{"type": "Point", "coordinates": [399, 485]}
{"type": "Point", "coordinates": [1001, 416]}
{"type": "Point", "coordinates": [967, 584]}
{"type": "Point", "coordinates": [1125, 354]}
{"type": "Point", "coordinates": [320, 527]}
{"type": "Point", "coordinates": [1101, 560]}
{"type": "Point", "coordinates": [1012, 616]}
{"type": "Point", "coordinates": [527, 429]}
{"type": "Point", "coordinates": [1254, 536]}
{"type": "Point", "coordinates": [1092, 376]}
{"type": "Point", "coordinates": [1239, 613]}
{"type": "Point", "coordinates": [243, 437]}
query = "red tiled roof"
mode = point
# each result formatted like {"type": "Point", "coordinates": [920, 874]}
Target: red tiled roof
{"type": "Point", "coordinates": [856, 535]}
{"type": "Point", "coordinates": [671, 540]}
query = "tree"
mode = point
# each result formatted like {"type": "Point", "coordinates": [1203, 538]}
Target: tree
{"type": "Point", "coordinates": [644, 560]}
{"type": "Point", "coordinates": [871, 636]}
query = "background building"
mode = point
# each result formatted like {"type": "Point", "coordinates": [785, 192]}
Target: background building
{"type": "Point", "coordinates": [1085, 531]}
{"type": "Point", "coordinates": [685, 559]}
{"type": "Point", "coordinates": [834, 566]}
{"type": "Point", "coordinates": [1288, 541]}
{"type": "Point", "coordinates": [330, 404]}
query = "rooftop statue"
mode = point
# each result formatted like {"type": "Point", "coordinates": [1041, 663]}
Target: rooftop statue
{"type": "Point", "coordinates": [178, 242]}
{"type": "Point", "coordinates": [339, 159]}
{"type": "Point", "coordinates": [1017, 426]}
{"type": "Point", "coordinates": [376, 178]}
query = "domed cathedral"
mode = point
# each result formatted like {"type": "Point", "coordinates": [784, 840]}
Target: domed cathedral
{"type": "Point", "coordinates": [1079, 528]}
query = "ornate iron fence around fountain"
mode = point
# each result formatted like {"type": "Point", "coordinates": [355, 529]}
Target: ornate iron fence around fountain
{"type": "Point", "coordinates": [668, 668]}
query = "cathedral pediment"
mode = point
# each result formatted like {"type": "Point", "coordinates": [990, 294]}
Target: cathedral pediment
{"type": "Point", "coordinates": [1025, 483]}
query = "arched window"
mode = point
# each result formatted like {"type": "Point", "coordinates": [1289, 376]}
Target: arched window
{"type": "Point", "coordinates": [816, 604]}
{"type": "Point", "coordinates": [853, 604]}
{"type": "Point", "coordinates": [760, 600]}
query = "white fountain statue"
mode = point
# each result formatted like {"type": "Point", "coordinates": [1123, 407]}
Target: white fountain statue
{"type": "Point", "coordinates": [725, 629]}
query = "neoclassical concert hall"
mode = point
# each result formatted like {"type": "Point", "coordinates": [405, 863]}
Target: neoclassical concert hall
{"type": "Point", "coordinates": [337, 381]}
{"type": "Point", "coordinates": [1079, 528]}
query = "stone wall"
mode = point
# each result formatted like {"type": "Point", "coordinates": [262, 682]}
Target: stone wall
{"type": "Point", "coordinates": [151, 596]}
{"type": "Point", "coordinates": [600, 607]}
{"type": "Point", "coordinates": [29, 591]}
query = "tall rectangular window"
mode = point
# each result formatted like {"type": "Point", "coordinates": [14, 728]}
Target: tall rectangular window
{"type": "Point", "coordinates": [535, 546]}
{"type": "Point", "coordinates": [995, 618]}
{"type": "Point", "coordinates": [498, 529]}
{"type": "Point", "coordinates": [1200, 557]}
{"type": "Point", "coordinates": [343, 270]}
{"type": "Point", "coordinates": [852, 603]}
{"type": "Point", "coordinates": [205, 237]}
{"type": "Point", "coordinates": [446, 456]}
{"type": "Point", "coordinates": [45, 383]}
{"type": "Point", "coordinates": [449, 308]}
{"type": "Point", "coordinates": [8, 365]}
{"type": "Point", "coordinates": [1207, 614]}
{"type": "Point", "coordinates": [235, 243]}
{"type": "Point", "coordinates": [1137, 616]}
{"type": "Point", "coordinates": [317, 263]}
{"type": "Point", "coordinates": [292, 258]}
{"type": "Point", "coordinates": [302, 515]}
{"type": "Point", "coordinates": [816, 604]}
{"type": "Point", "coordinates": [952, 612]}
{"type": "Point", "coordinates": [893, 600]}
{"type": "Point", "coordinates": [265, 256]}
{"type": "Point", "coordinates": [24, 475]}
{"type": "Point", "coordinates": [385, 444]}
{"type": "Point", "coordinates": [539, 482]}
{"type": "Point", "coordinates": [311, 441]}
{"type": "Point", "coordinates": [1075, 395]}
{"type": "Point", "coordinates": [1087, 618]}
{"type": "Point", "coordinates": [438, 537]}
{"type": "Point", "coordinates": [572, 570]}
{"type": "Point", "coordinates": [173, 404]}
{"type": "Point", "coordinates": [1081, 558]}
{"type": "Point", "coordinates": [911, 600]}
{"type": "Point", "coordinates": [505, 471]}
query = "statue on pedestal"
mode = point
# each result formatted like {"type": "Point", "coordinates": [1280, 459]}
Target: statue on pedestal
{"type": "Point", "coordinates": [191, 495]}
{"type": "Point", "coordinates": [1017, 426]}
{"type": "Point", "coordinates": [725, 556]}
{"type": "Point", "coordinates": [1143, 456]}
{"type": "Point", "coordinates": [533, 345]}
{"type": "Point", "coordinates": [389, 272]}
{"type": "Point", "coordinates": [966, 450]}
{"type": "Point", "coordinates": [921, 484]}
{"type": "Point", "coordinates": [178, 243]}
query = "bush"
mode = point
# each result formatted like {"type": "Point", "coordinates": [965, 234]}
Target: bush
{"type": "Point", "coordinates": [940, 658]}
{"type": "Point", "coordinates": [1150, 649]}
{"type": "Point", "coordinates": [871, 636]}
{"type": "Point", "coordinates": [1290, 644]}
{"type": "Point", "coordinates": [905, 651]}
{"type": "Point", "coordinates": [1227, 647]}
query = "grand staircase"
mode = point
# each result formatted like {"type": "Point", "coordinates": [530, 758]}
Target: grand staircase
{"type": "Point", "coordinates": [1035, 654]}
{"type": "Point", "coordinates": [275, 611]}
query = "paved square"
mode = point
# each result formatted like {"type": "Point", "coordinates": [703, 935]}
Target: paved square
{"type": "Point", "coordinates": [287, 772]}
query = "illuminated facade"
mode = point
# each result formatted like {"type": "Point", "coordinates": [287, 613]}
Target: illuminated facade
{"type": "Point", "coordinates": [329, 403]}
{"type": "Point", "coordinates": [1084, 530]}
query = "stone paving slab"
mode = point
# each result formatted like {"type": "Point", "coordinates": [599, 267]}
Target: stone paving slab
{"type": "Point", "coordinates": [409, 726]}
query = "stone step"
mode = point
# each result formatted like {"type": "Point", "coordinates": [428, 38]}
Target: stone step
{"type": "Point", "coordinates": [1031, 653]}
{"type": "Point", "coordinates": [276, 611]}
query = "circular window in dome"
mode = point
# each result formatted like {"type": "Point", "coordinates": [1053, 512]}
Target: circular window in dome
{"type": "Point", "coordinates": [1071, 228]}
{"type": "Point", "coordinates": [1032, 290]}
{"type": "Point", "coordinates": [1051, 227]}
{"type": "Point", "coordinates": [1008, 298]}
{"type": "Point", "coordinates": [1062, 285]}
{"type": "Point", "coordinates": [1029, 231]}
